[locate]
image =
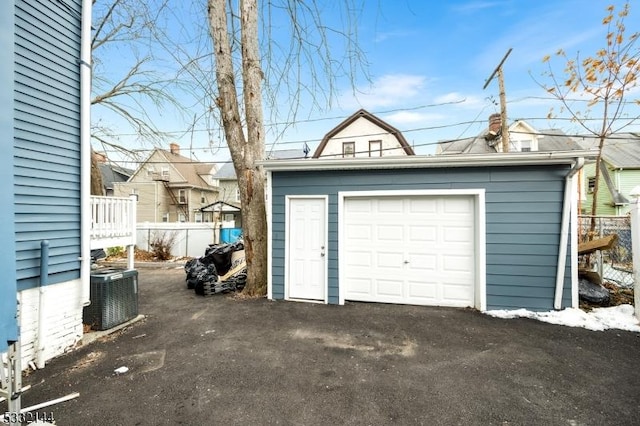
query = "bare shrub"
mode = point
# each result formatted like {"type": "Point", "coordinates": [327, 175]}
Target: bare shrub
{"type": "Point", "coordinates": [161, 244]}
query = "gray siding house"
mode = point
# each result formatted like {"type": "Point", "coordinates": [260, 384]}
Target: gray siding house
{"type": "Point", "coordinates": [482, 231]}
{"type": "Point", "coordinates": [45, 253]}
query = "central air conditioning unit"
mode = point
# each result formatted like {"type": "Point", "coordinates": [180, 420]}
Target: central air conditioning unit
{"type": "Point", "coordinates": [114, 298]}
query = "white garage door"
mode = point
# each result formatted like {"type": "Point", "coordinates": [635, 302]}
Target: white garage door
{"type": "Point", "coordinates": [414, 250]}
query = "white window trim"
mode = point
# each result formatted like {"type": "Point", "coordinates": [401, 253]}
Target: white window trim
{"type": "Point", "coordinates": [182, 196]}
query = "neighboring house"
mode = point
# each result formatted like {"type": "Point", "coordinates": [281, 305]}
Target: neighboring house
{"type": "Point", "coordinates": [229, 194]}
{"type": "Point", "coordinates": [619, 174]}
{"type": "Point", "coordinates": [522, 138]}
{"type": "Point", "coordinates": [363, 135]}
{"type": "Point", "coordinates": [111, 173]}
{"type": "Point", "coordinates": [45, 169]}
{"type": "Point", "coordinates": [484, 231]}
{"type": "Point", "coordinates": [170, 187]}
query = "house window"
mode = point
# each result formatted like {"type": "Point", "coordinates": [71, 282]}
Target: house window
{"type": "Point", "coordinates": [198, 217]}
{"type": "Point", "coordinates": [165, 173]}
{"type": "Point", "coordinates": [203, 198]}
{"type": "Point", "coordinates": [591, 184]}
{"type": "Point", "coordinates": [182, 196]}
{"type": "Point", "coordinates": [375, 148]}
{"type": "Point", "coordinates": [182, 217]}
{"type": "Point", "coordinates": [165, 217]}
{"type": "Point", "coordinates": [348, 149]}
{"type": "Point", "coordinates": [525, 146]}
{"type": "Point", "coordinates": [237, 195]}
{"type": "Point", "coordinates": [150, 171]}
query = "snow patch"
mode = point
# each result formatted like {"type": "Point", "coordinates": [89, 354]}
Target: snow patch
{"type": "Point", "coordinates": [616, 317]}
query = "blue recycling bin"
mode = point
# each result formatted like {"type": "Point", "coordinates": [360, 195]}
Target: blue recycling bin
{"type": "Point", "coordinates": [230, 235]}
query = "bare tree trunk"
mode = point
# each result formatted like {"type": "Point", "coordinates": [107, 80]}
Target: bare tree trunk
{"type": "Point", "coordinates": [245, 151]}
{"type": "Point", "coordinates": [97, 187]}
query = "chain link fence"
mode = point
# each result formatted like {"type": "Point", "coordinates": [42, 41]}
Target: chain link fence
{"type": "Point", "coordinates": [615, 265]}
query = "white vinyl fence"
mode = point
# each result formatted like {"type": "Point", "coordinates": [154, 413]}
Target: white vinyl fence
{"type": "Point", "coordinates": [189, 239]}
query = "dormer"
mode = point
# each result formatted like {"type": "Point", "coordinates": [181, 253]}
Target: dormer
{"type": "Point", "coordinates": [523, 137]}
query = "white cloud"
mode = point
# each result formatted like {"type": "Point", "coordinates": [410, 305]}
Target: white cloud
{"type": "Point", "coordinates": [411, 117]}
{"type": "Point", "coordinates": [388, 90]}
{"type": "Point", "coordinates": [466, 101]}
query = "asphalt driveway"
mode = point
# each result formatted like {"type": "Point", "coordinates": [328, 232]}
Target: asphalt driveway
{"type": "Point", "coordinates": [220, 360]}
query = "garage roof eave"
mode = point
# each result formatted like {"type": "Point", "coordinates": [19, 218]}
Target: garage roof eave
{"type": "Point", "coordinates": [429, 161]}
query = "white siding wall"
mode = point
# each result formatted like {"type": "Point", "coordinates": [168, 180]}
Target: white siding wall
{"type": "Point", "coordinates": [361, 132]}
{"type": "Point", "coordinates": [63, 319]}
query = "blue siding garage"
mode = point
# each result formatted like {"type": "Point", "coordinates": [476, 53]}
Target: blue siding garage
{"type": "Point", "coordinates": [510, 228]}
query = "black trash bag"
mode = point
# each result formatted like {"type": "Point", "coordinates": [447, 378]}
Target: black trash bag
{"type": "Point", "coordinates": [192, 268]}
{"type": "Point", "coordinates": [220, 255]}
{"type": "Point", "coordinates": [97, 254]}
{"type": "Point", "coordinates": [209, 288]}
{"type": "Point", "coordinates": [207, 273]}
{"type": "Point", "coordinates": [593, 293]}
{"type": "Point", "coordinates": [198, 271]}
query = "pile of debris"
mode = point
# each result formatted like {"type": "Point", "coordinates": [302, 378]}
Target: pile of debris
{"type": "Point", "coordinates": [222, 269]}
{"type": "Point", "coordinates": [593, 289]}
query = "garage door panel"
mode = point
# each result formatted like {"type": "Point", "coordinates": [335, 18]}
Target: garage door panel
{"type": "Point", "coordinates": [388, 205]}
{"type": "Point", "coordinates": [457, 295]}
{"type": "Point", "coordinates": [360, 286]}
{"type": "Point", "coordinates": [391, 233]}
{"type": "Point", "coordinates": [457, 205]}
{"type": "Point", "coordinates": [413, 249]}
{"type": "Point", "coordinates": [359, 232]}
{"type": "Point", "coordinates": [455, 234]}
{"type": "Point", "coordinates": [389, 288]}
{"type": "Point", "coordinates": [422, 205]}
{"type": "Point", "coordinates": [360, 259]}
{"type": "Point", "coordinates": [423, 233]}
{"type": "Point", "coordinates": [426, 291]}
{"type": "Point", "coordinates": [457, 263]}
{"type": "Point", "coordinates": [422, 262]}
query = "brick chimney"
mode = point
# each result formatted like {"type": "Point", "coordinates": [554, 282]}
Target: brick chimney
{"type": "Point", "coordinates": [495, 124]}
{"type": "Point", "coordinates": [174, 148]}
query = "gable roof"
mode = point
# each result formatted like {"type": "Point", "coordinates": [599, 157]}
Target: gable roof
{"type": "Point", "coordinates": [553, 140]}
{"type": "Point", "coordinates": [112, 173]}
{"type": "Point", "coordinates": [191, 171]}
{"type": "Point", "coordinates": [373, 119]}
{"type": "Point", "coordinates": [621, 150]}
{"type": "Point", "coordinates": [221, 206]}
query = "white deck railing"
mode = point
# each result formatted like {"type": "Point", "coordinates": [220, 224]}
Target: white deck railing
{"type": "Point", "coordinates": [113, 222]}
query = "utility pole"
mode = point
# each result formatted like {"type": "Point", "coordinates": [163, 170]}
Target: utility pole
{"type": "Point", "coordinates": [504, 130]}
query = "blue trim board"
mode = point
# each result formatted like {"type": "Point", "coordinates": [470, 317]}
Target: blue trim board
{"type": "Point", "coordinates": [8, 283]}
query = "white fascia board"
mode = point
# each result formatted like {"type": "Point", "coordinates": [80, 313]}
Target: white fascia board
{"type": "Point", "coordinates": [428, 161]}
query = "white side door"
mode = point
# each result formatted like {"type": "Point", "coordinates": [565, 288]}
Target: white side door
{"type": "Point", "coordinates": [306, 248]}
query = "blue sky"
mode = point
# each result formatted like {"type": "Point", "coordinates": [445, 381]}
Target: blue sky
{"type": "Point", "coordinates": [428, 62]}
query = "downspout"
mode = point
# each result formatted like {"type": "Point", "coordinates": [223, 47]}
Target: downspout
{"type": "Point", "coordinates": [85, 152]}
{"type": "Point", "coordinates": [44, 280]}
{"type": "Point", "coordinates": [564, 231]}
